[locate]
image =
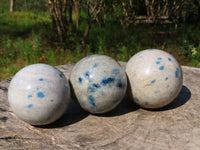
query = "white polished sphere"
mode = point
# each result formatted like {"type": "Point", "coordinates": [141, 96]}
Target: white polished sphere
{"type": "Point", "coordinates": [99, 83]}
{"type": "Point", "coordinates": [155, 78]}
{"type": "Point", "coordinates": [39, 94]}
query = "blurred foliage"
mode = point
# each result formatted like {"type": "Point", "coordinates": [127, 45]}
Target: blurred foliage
{"type": "Point", "coordinates": [28, 35]}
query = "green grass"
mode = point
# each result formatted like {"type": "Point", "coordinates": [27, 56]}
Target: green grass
{"type": "Point", "coordinates": [4, 6]}
{"type": "Point", "coordinates": [21, 34]}
{"type": "Point", "coordinates": [22, 24]}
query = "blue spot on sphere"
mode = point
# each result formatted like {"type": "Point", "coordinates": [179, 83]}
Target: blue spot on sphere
{"type": "Point", "coordinates": [161, 68]}
{"type": "Point", "coordinates": [166, 78]}
{"type": "Point", "coordinates": [61, 75]}
{"type": "Point", "coordinates": [119, 85]}
{"type": "Point", "coordinates": [115, 71]}
{"type": "Point", "coordinates": [40, 95]}
{"type": "Point", "coordinates": [157, 62]}
{"type": "Point", "coordinates": [153, 81]}
{"type": "Point", "coordinates": [87, 74]}
{"type": "Point", "coordinates": [41, 79]}
{"type": "Point", "coordinates": [29, 96]}
{"type": "Point", "coordinates": [91, 89]}
{"type": "Point", "coordinates": [80, 80]}
{"type": "Point", "coordinates": [52, 100]}
{"type": "Point", "coordinates": [169, 59]}
{"type": "Point", "coordinates": [146, 103]}
{"type": "Point", "coordinates": [96, 85]}
{"type": "Point", "coordinates": [177, 73]}
{"type": "Point", "coordinates": [30, 106]}
{"type": "Point", "coordinates": [159, 58]}
{"type": "Point", "coordinates": [136, 99]}
{"type": "Point", "coordinates": [93, 86]}
{"type": "Point", "coordinates": [95, 65]}
{"type": "Point", "coordinates": [107, 81]}
{"type": "Point", "coordinates": [92, 100]}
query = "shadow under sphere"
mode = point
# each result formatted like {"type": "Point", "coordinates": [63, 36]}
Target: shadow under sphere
{"type": "Point", "coordinates": [73, 114]}
{"type": "Point", "coordinates": [180, 100]}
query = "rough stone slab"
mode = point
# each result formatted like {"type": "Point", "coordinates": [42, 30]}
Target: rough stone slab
{"type": "Point", "coordinates": [176, 126]}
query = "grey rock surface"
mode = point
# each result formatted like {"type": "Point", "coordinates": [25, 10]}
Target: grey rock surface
{"type": "Point", "coordinates": [176, 126]}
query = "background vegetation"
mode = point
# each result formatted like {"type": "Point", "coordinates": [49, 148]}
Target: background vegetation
{"type": "Point", "coordinates": [61, 32]}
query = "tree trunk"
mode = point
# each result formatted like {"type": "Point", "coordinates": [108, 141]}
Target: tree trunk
{"type": "Point", "coordinates": [86, 33]}
{"type": "Point", "coordinates": [70, 15]}
{"type": "Point", "coordinates": [89, 23]}
{"type": "Point", "coordinates": [92, 15]}
{"type": "Point", "coordinates": [76, 11]}
{"type": "Point", "coordinates": [12, 5]}
{"type": "Point", "coordinates": [150, 6]}
{"type": "Point", "coordinates": [165, 8]}
{"type": "Point", "coordinates": [58, 10]}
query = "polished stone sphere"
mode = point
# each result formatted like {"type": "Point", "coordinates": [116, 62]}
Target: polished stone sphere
{"type": "Point", "coordinates": [98, 83]}
{"type": "Point", "coordinates": [155, 78]}
{"type": "Point", "coordinates": [39, 94]}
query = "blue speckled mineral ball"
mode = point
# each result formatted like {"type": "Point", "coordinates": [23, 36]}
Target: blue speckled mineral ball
{"type": "Point", "coordinates": [39, 94]}
{"type": "Point", "coordinates": [99, 83]}
{"type": "Point", "coordinates": [155, 78]}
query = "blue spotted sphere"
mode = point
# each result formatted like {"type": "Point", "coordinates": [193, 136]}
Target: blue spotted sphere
{"type": "Point", "coordinates": [155, 78]}
{"type": "Point", "coordinates": [39, 94]}
{"type": "Point", "coordinates": [98, 83]}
